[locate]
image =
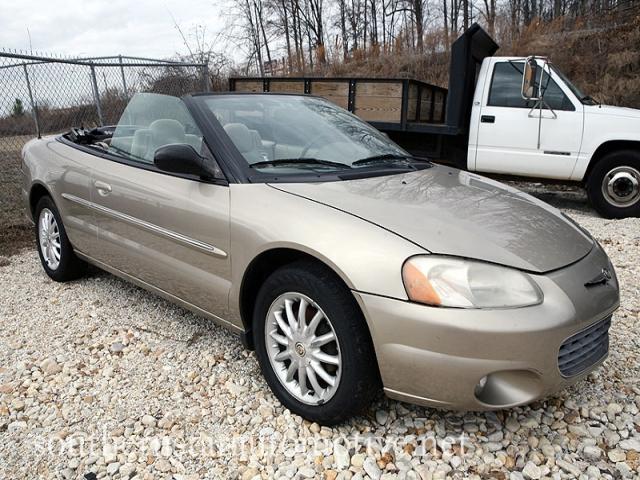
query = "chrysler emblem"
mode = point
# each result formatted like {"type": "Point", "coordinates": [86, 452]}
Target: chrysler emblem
{"type": "Point", "coordinates": [603, 277]}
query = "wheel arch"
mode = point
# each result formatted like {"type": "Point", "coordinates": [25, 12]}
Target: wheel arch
{"type": "Point", "coordinates": [37, 191]}
{"type": "Point", "coordinates": [263, 265]}
{"type": "Point", "coordinates": [606, 148]}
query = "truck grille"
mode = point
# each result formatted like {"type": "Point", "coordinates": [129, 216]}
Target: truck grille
{"type": "Point", "coordinates": [580, 351]}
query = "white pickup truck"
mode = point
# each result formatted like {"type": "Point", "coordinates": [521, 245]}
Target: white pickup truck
{"type": "Point", "coordinates": [554, 131]}
{"type": "Point", "coordinates": [500, 115]}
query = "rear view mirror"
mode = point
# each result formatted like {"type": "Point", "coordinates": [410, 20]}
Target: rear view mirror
{"type": "Point", "coordinates": [530, 88]}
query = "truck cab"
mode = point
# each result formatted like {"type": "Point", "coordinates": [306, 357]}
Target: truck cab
{"type": "Point", "coordinates": [565, 135]}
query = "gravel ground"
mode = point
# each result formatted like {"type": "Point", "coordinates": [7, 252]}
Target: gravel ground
{"type": "Point", "coordinates": [100, 376]}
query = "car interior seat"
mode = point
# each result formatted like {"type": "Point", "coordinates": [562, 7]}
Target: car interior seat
{"type": "Point", "coordinates": [248, 142]}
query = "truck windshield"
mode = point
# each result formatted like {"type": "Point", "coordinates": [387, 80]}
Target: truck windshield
{"type": "Point", "coordinates": [586, 99]}
{"type": "Point", "coordinates": [291, 134]}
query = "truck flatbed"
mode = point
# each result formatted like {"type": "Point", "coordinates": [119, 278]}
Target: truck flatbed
{"type": "Point", "coordinates": [389, 104]}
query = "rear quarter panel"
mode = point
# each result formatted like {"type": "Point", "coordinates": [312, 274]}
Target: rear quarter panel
{"type": "Point", "coordinates": [60, 169]}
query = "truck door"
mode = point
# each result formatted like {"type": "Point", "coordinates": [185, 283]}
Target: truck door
{"type": "Point", "coordinates": [507, 127]}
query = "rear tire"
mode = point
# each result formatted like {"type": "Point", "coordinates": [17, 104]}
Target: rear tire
{"type": "Point", "coordinates": [352, 365]}
{"type": "Point", "coordinates": [55, 251]}
{"type": "Point", "coordinates": [613, 185]}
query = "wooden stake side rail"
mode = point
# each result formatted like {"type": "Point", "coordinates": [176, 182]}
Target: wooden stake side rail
{"type": "Point", "coordinates": [388, 104]}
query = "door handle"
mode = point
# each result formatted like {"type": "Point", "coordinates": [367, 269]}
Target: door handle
{"type": "Point", "coordinates": [103, 188]}
{"type": "Point", "coordinates": [488, 119]}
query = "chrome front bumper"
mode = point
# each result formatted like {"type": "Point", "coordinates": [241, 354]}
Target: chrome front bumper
{"type": "Point", "coordinates": [488, 359]}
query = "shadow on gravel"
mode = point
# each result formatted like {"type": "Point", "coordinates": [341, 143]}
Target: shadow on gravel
{"type": "Point", "coordinates": [15, 238]}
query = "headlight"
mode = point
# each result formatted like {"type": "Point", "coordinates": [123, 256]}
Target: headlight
{"type": "Point", "coordinates": [453, 282]}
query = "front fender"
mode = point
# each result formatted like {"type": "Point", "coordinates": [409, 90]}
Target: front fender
{"type": "Point", "coordinates": [367, 258]}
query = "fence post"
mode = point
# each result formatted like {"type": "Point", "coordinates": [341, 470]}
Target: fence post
{"type": "Point", "coordinates": [124, 80]}
{"type": "Point", "coordinates": [34, 107]}
{"type": "Point", "coordinates": [205, 77]}
{"type": "Point", "coordinates": [96, 95]}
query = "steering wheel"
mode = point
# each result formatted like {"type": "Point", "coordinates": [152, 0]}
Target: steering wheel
{"type": "Point", "coordinates": [311, 143]}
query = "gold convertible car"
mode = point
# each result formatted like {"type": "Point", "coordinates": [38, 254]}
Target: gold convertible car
{"type": "Point", "coordinates": [348, 264]}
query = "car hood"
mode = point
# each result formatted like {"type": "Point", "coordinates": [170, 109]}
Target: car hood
{"type": "Point", "coordinates": [612, 111]}
{"type": "Point", "coordinates": [452, 212]}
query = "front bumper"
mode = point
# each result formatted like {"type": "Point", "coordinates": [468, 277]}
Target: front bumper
{"type": "Point", "coordinates": [439, 356]}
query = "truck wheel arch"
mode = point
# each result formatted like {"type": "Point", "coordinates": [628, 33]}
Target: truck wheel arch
{"type": "Point", "coordinates": [606, 148]}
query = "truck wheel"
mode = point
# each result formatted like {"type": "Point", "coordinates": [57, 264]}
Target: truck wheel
{"type": "Point", "coordinates": [54, 248]}
{"type": "Point", "coordinates": [313, 344]}
{"type": "Point", "coordinates": [613, 186]}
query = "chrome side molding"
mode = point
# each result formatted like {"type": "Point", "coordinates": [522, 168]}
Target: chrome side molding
{"type": "Point", "coordinates": [192, 242]}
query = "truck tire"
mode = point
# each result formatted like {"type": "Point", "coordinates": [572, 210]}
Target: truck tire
{"type": "Point", "coordinates": [613, 186]}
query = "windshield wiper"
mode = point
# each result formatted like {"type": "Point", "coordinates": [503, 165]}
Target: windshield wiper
{"type": "Point", "coordinates": [589, 98]}
{"type": "Point", "coordinates": [298, 161]}
{"type": "Point", "coordinates": [384, 158]}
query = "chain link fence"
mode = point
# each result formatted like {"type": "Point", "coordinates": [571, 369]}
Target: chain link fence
{"type": "Point", "coordinates": [41, 95]}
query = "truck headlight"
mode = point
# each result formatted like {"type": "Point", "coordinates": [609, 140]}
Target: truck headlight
{"type": "Point", "coordinates": [455, 282]}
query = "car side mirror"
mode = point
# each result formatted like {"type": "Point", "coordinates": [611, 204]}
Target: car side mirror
{"type": "Point", "coordinates": [530, 90]}
{"type": "Point", "coordinates": [182, 158]}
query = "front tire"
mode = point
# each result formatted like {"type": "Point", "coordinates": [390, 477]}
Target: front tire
{"type": "Point", "coordinates": [55, 251]}
{"type": "Point", "coordinates": [313, 344]}
{"type": "Point", "coordinates": [613, 186]}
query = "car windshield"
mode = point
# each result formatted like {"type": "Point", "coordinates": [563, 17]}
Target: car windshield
{"type": "Point", "coordinates": [586, 99]}
{"type": "Point", "coordinates": [291, 134]}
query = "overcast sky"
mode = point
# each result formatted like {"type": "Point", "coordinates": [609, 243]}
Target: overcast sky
{"type": "Point", "coordinates": [106, 27]}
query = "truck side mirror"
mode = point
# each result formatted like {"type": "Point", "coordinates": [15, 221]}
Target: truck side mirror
{"type": "Point", "coordinates": [530, 90]}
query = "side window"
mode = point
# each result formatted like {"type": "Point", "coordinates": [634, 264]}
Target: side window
{"type": "Point", "coordinates": [506, 87]}
{"type": "Point", "coordinates": [151, 121]}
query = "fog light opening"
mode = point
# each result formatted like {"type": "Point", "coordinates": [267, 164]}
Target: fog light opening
{"type": "Point", "coordinates": [480, 387]}
{"type": "Point", "coordinates": [507, 388]}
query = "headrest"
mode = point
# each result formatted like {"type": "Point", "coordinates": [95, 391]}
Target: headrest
{"type": "Point", "coordinates": [168, 130]}
{"type": "Point", "coordinates": [240, 136]}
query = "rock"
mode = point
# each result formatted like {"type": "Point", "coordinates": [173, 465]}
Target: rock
{"type": "Point", "coordinates": [148, 421]}
{"type": "Point", "coordinates": [162, 465]}
{"type": "Point", "coordinates": [613, 409]}
{"type": "Point", "coordinates": [306, 472]}
{"type": "Point", "coordinates": [593, 472]}
{"type": "Point", "coordinates": [513, 425]}
{"type": "Point", "coordinates": [382, 416]}
{"type": "Point", "coordinates": [330, 474]}
{"type": "Point", "coordinates": [630, 444]}
{"type": "Point", "coordinates": [624, 470]}
{"type": "Point", "coordinates": [109, 453]}
{"type": "Point", "coordinates": [592, 453]}
{"type": "Point", "coordinates": [358, 460]}
{"type": "Point", "coordinates": [50, 367]}
{"type": "Point", "coordinates": [249, 473]}
{"type": "Point", "coordinates": [116, 347]}
{"type": "Point", "coordinates": [616, 455]}
{"type": "Point", "coordinates": [516, 476]}
{"type": "Point", "coordinates": [127, 470]}
{"type": "Point", "coordinates": [113, 468]}
{"type": "Point", "coordinates": [579, 430]}
{"type": "Point", "coordinates": [341, 457]}
{"type": "Point", "coordinates": [532, 471]}
{"type": "Point", "coordinates": [371, 468]}
{"type": "Point", "coordinates": [424, 472]}
{"type": "Point", "coordinates": [568, 467]}
{"type": "Point", "coordinates": [17, 405]}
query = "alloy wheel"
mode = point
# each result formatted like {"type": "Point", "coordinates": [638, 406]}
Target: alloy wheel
{"type": "Point", "coordinates": [49, 238]}
{"type": "Point", "coordinates": [303, 348]}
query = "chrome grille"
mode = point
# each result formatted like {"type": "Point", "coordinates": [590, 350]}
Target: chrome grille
{"type": "Point", "coordinates": [580, 351]}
